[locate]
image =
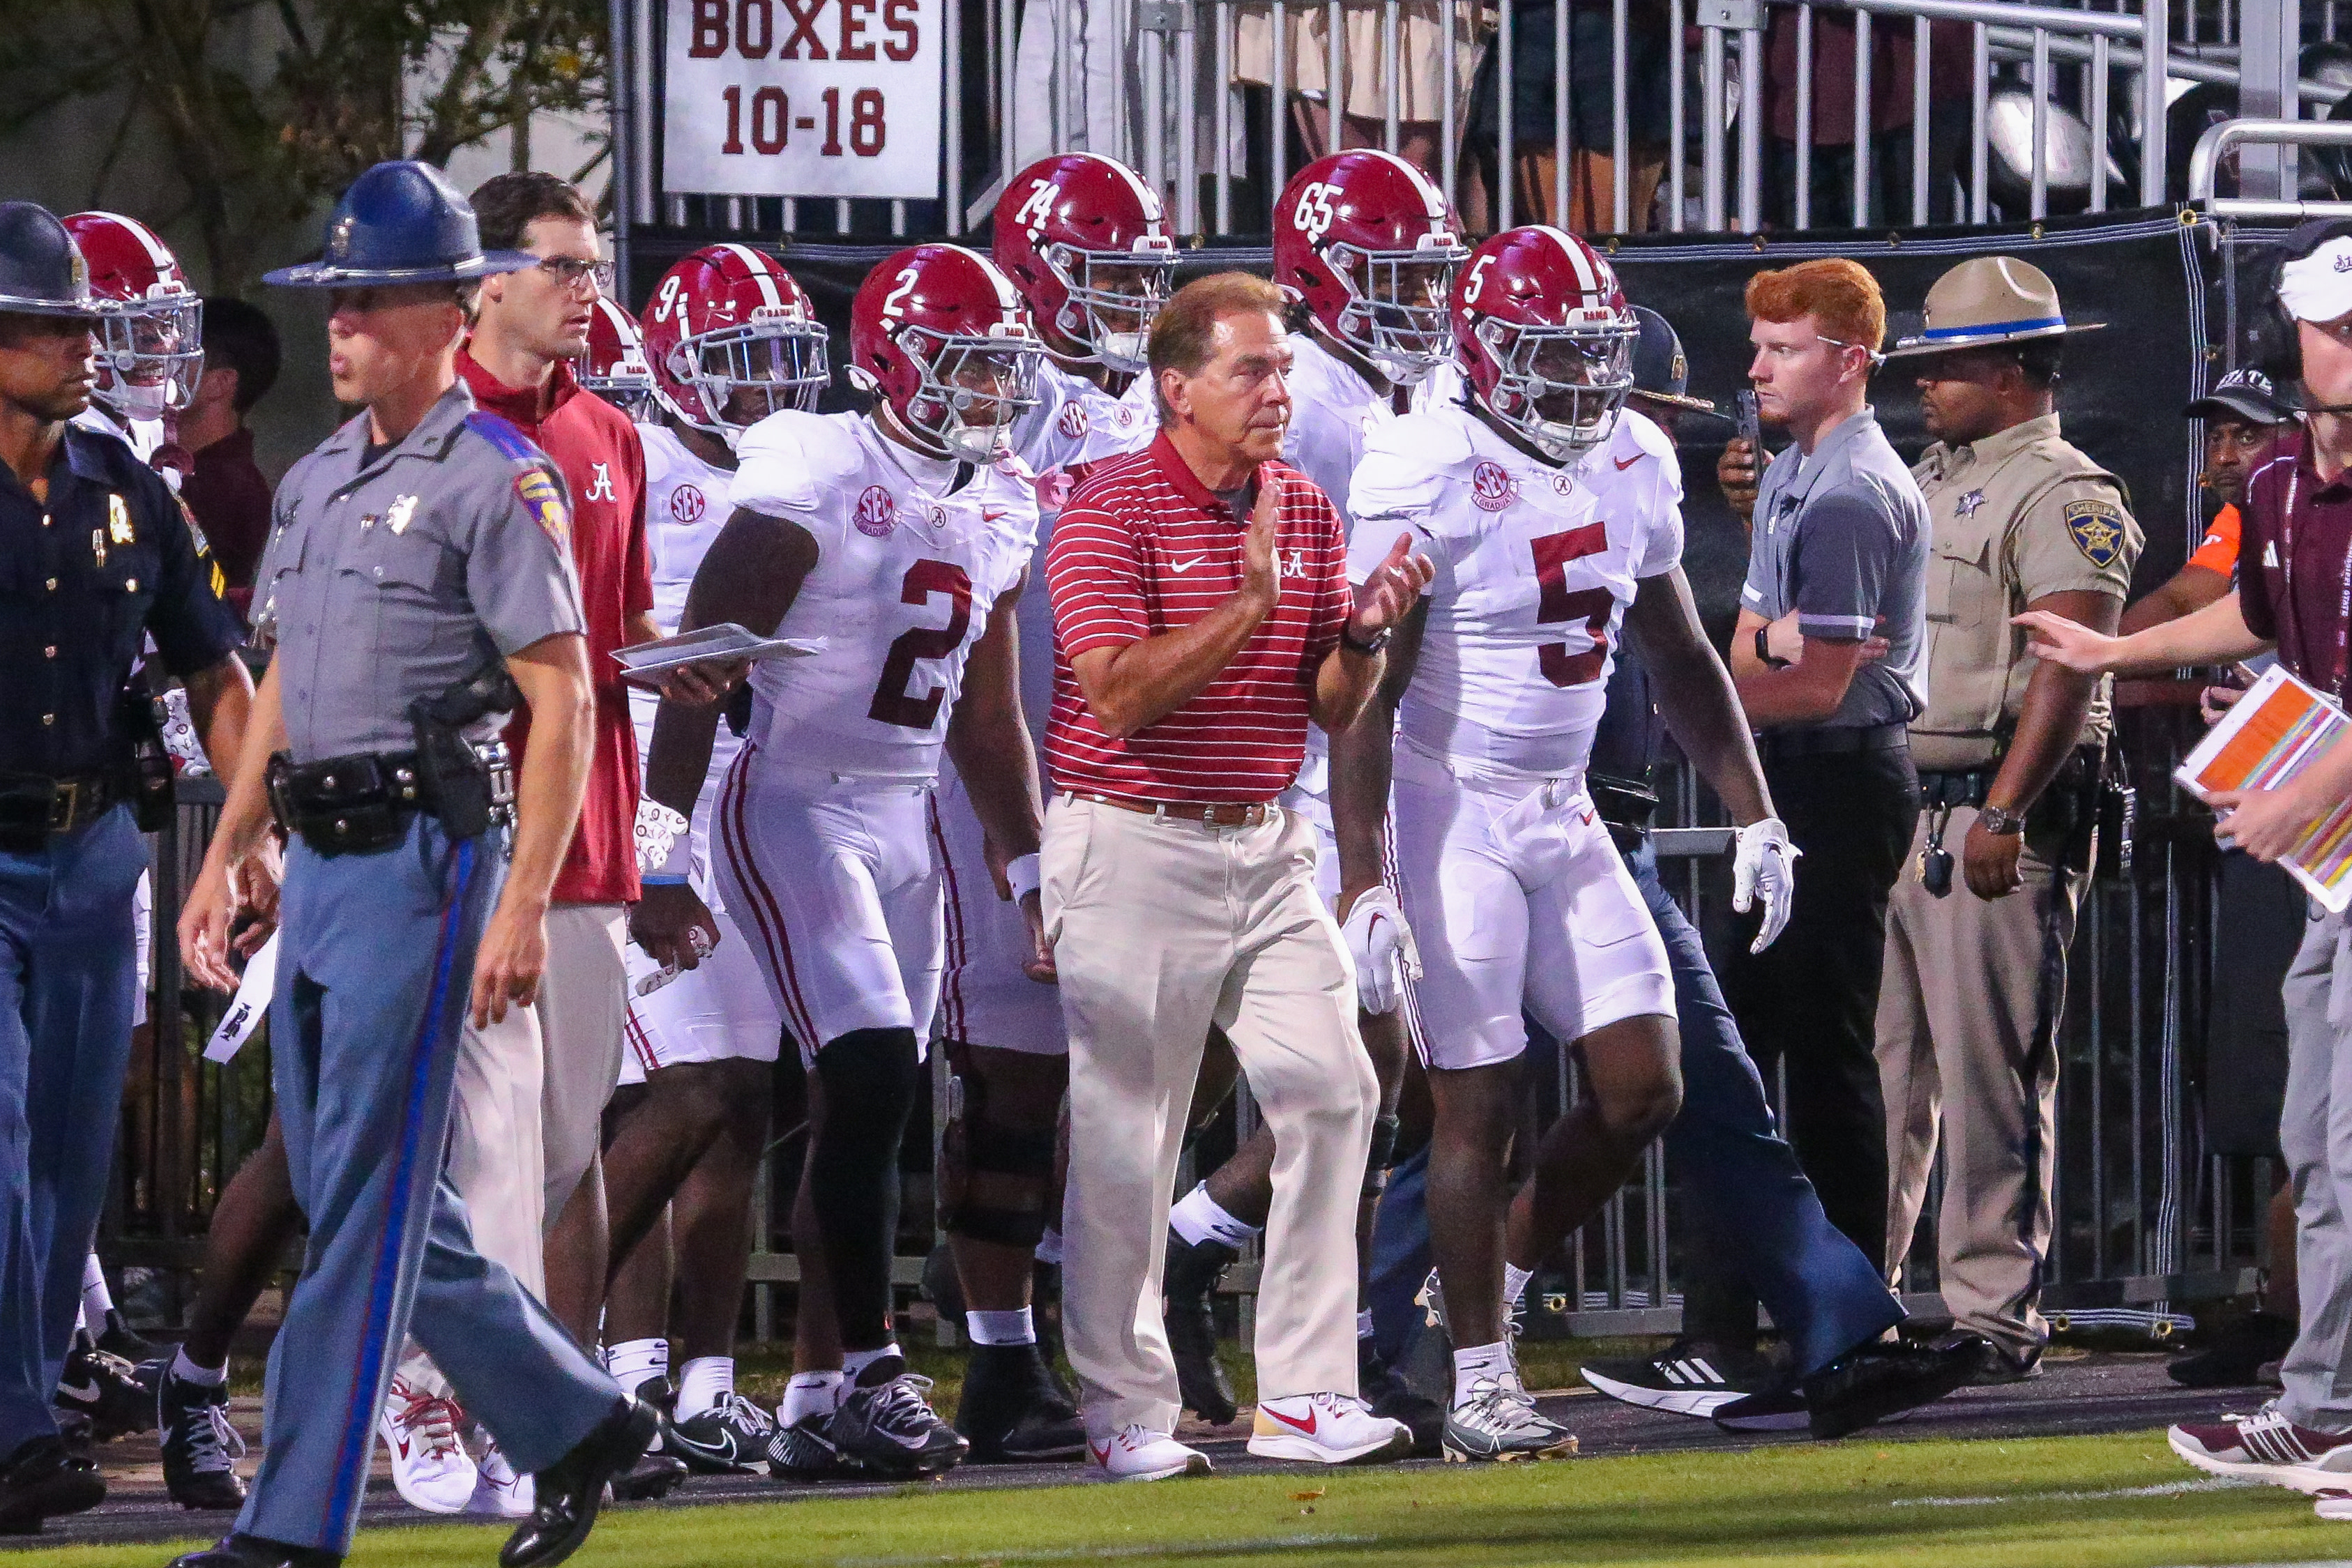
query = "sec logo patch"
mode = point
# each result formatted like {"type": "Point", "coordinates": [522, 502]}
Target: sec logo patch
{"type": "Point", "coordinates": [686, 504]}
{"type": "Point", "coordinates": [1492, 488]}
{"type": "Point", "coordinates": [1073, 420]}
{"type": "Point", "coordinates": [877, 513]}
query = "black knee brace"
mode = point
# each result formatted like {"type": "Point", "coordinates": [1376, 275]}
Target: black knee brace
{"type": "Point", "coordinates": [871, 1077]}
{"type": "Point", "coordinates": [993, 1175]}
{"type": "Point", "coordinates": [1382, 1155]}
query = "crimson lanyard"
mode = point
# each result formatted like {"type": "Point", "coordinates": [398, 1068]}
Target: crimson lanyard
{"type": "Point", "coordinates": [2289, 611]}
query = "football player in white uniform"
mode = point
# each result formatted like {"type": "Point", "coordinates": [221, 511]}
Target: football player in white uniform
{"type": "Point", "coordinates": [894, 545]}
{"type": "Point", "coordinates": [1368, 246]}
{"type": "Point", "coordinates": [152, 354]}
{"type": "Point", "coordinates": [730, 338]}
{"type": "Point", "coordinates": [1553, 520]}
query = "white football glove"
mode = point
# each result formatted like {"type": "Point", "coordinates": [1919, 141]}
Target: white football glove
{"type": "Point", "coordinates": [1764, 863]}
{"type": "Point", "coordinates": [1382, 945]}
{"type": "Point", "coordinates": [658, 832]}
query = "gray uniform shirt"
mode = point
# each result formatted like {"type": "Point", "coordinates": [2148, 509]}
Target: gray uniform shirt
{"type": "Point", "coordinates": [394, 580]}
{"type": "Point", "coordinates": [1842, 539]}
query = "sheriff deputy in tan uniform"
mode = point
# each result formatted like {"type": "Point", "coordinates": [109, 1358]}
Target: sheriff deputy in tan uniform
{"type": "Point", "coordinates": [2010, 752]}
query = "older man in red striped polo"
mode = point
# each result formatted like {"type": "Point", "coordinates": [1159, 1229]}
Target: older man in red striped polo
{"type": "Point", "coordinates": [1203, 618]}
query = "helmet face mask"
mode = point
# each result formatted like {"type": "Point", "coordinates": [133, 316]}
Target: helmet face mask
{"type": "Point", "coordinates": [151, 356]}
{"type": "Point", "coordinates": [1112, 299]}
{"type": "Point", "coordinates": [748, 372]}
{"type": "Point", "coordinates": [1396, 314]}
{"type": "Point", "coordinates": [729, 338]}
{"type": "Point", "coordinates": [972, 391]}
{"type": "Point", "coordinates": [1560, 388]}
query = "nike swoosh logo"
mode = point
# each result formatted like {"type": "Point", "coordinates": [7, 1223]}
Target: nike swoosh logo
{"type": "Point", "coordinates": [994, 513]}
{"type": "Point", "coordinates": [87, 1392]}
{"type": "Point", "coordinates": [1625, 463]}
{"type": "Point", "coordinates": [1184, 566]}
{"type": "Point", "coordinates": [1307, 1426]}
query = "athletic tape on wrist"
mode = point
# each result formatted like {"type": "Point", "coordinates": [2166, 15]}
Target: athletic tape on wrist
{"type": "Point", "coordinates": [1020, 876]}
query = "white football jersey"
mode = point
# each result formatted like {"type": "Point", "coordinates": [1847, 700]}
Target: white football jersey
{"type": "Point", "coordinates": [1076, 424]}
{"type": "Point", "coordinates": [143, 436]}
{"type": "Point", "coordinates": [1535, 567]}
{"type": "Point", "coordinates": [1333, 410]}
{"type": "Point", "coordinates": [686, 505]}
{"type": "Point", "coordinates": [909, 567]}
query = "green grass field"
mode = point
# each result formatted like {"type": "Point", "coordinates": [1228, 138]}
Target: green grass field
{"type": "Point", "coordinates": [2074, 1502]}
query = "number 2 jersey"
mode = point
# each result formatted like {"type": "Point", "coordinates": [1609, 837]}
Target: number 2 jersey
{"type": "Point", "coordinates": [912, 554]}
{"type": "Point", "coordinates": [1535, 565]}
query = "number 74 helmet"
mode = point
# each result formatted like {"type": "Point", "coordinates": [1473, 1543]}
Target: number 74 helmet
{"type": "Point", "coordinates": [730, 338]}
{"type": "Point", "coordinates": [938, 333]}
{"type": "Point", "coordinates": [1085, 240]}
{"type": "Point", "coordinates": [1368, 243]}
{"type": "Point", "coordinates": [1546, 338]}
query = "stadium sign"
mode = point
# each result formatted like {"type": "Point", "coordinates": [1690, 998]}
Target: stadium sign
{"type": "Point", "coordinates": [803, 98]}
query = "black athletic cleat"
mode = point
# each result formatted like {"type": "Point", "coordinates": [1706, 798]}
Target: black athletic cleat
{"type": "Point", "coordinates": [887, 1428]}
{"type": "Point", "coordinates": [1687, 1378]}
{"type": "Point", "coordinates": [106, 1389]}
{"type": "Point", "coordinates": [1187, 1284]}
{"type": "Point", "coordinates": [41, 1480]}
{"type": "Point", "coordinates": [253, 1551]}
{"type": "Point", "coordinates": [200, 1448]}
{"type": "Point", "coordinates": [121, 1339]}
{"type": "Point", "coordinates": [805, 1451]}
{"type": "Point", "coordinates": [2234, 1354]}
{"type": "Point", "coordinates": [1874, 1381]}
{"type": "Point", "coordinates": [1385, 1391]}
{"type": "Point", "coordinates": [1012, 1411]}
{"type": "Point", "coordinates": [566, 1495]}
{"type": "Point", "coordinates": [729, 1439]}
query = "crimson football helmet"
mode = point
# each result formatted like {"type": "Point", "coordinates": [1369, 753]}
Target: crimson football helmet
{"type": "Point", "coordinates": [1370, 246]}
{"type": "Point", "coordinates": [615, 366]}
{"type": "Point", "coordinates": [937, 332]}
{"type": "Point", "coordinates": [150, 350]}
{"type": "Point", "coordinates": [730, 338]}
{"type": "Point", "coordinates": [1546, 338]}
{"type": "Point", "coordinates": [1085, 240]}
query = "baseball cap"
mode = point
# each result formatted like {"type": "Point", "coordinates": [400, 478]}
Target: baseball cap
{"type": "Point", "coordinates": [2245, 394]}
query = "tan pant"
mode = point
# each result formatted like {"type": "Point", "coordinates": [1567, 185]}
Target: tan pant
{"type": "Point", "coordinates": [1968, 1036]}
{"type": "Point", "coordinates": [582, 1007]}
{"type": "Point", "coordinates": [1161, 929]}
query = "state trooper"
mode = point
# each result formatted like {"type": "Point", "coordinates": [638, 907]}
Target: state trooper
{"type": "Point", "coordinates": [96, 555]}
{"type": "Point", "coordinates": [417, 584]}
{"type": "Point", "coordinates": [2010, 753]}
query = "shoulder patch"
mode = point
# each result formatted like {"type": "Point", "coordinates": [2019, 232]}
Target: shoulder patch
{"type": "Point", "coordinates": [504, 435]}
{"type": "Point", "coordinates": [544, 501]}
{"type": "Point", "coordinates": [2097, 529]}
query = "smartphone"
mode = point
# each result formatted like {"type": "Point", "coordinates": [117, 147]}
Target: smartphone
{"type": "Point", "coordinates": [1751, 427]}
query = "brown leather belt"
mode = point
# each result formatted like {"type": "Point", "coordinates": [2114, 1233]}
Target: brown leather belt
{"type": "Point", "coordinates": [1218, 814]}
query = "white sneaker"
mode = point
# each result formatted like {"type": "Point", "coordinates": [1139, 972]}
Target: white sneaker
{"type": "Point", "coordinates": [1136, 1453]}
{"type": "Point", "coordinates": [497, 1491]}
{"type": "Point", "coordinates": [429, 1464]}
{"type": "Point", "coordinates": [1326, 1430]}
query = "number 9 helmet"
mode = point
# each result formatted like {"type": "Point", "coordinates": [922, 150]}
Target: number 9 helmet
{"type": "Point", "coordinates": [1545, 339]}
{"type": "Point", "coordinates": [938, 333]}
{"type": "Point", "coordinates": [730, 338]}
{"type": "Point", "coordinates": [151, 351]}
{"type": "Point", "coordinates": [1370, 245]}
{"type": "Point", "coordinates": [1085, 240]}
{"type": "Point", "coordinates": [615, 366]}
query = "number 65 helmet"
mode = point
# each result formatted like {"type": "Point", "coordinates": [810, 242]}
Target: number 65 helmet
{"type": "Point", "coordinates": [1085, 240]}
{"type": "Point", "coordinates": [1546, 338]}
{"type": "Point", "coordinates": [1370, 245]}
{"type": "Point", "coordinates": [730, 338]}
{"type": "Point", "coordinates": [938, 333]}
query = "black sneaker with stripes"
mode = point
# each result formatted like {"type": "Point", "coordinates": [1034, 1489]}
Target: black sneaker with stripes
{"type": "Point", "coordinates": [1687, 1378]}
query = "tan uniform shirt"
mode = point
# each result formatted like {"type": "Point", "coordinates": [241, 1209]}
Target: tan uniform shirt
{"type": "Point", "coordinates": [2018, 514]}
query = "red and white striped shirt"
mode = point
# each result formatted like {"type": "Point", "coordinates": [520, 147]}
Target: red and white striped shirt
{"type": "Point", "coordinates": [1143, 548]}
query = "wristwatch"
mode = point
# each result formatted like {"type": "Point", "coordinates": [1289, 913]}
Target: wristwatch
{"type": "Point", "coordinates": [1764, 649]}
{"type": "Point", "coordinates": [1378, 641]}
{"type": "Point", "coordinates": [2001, 824]}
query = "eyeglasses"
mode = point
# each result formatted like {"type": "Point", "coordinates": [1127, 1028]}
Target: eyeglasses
{"type": "Point", "coordinates": [568, 270]}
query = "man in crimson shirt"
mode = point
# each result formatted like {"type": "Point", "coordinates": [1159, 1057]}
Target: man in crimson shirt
{"type": "Point", "coordinates": [527, 329]}
{"type": "Point", "coordinates": [2293, 595]}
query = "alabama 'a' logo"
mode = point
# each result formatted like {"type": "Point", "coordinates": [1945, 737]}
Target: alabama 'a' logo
{"type": "Point", "coordinates": [877, 513]}
{"type": "Point", "coordinates": [1492, 488]}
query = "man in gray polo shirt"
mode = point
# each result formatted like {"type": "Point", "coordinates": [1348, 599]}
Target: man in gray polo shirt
{"type": "Point", "coordinates": [1827, 658]}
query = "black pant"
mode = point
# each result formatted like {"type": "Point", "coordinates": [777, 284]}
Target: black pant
{"type": "Point", "coordinates": [1809, 1002]}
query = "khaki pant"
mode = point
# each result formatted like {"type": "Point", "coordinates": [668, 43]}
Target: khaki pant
{"type": "Point", "coordinates": [1161, 929]}
{"type": "Point", "coordinates": [2316, 1133]}
{"type": "Point", "coordinates": [1968, 1036]}
{"type": "Point", "coordinates": [583, 1005]}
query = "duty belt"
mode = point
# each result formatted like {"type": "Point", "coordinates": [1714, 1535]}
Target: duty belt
{"type": "Point", "coordinates": [1969, 786]}
{"type": "Point", "coordinates": [346, 805]}
{"type": "Point", "coordinates": [33, 806]}
{"type": "Point", "coordinates": [1846, 740]}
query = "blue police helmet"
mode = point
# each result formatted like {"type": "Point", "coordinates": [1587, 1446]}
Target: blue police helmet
{"type": "Point", "coordinates": [401, 222]}
{"type": "Point", "coordinates": [41, 269]}
{"type": "Point", "coordinates": [1661, 373]}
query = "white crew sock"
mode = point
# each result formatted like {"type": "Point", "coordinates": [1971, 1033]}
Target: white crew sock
{"type": "Point", "coordinates": [633, 1361]}
{"type": "Point", "coordinates": [1198, 1219]}
{"type": "Point", "coordinates": [1049, 1247]}
{"type": "Point", "coordinates": [853, 1362]}
{"type": "Point", "coordinates": [1482, 1360]}
{"type": "Point", "coordinates": [1002, 1328]}
{"type": "Point", "coordinates": [1364, 1324]}
{"type": "Point", "coordinates": [702, 1381]}
{"type": "Point", "coordinates": [187, 1371]}
{"type": "Point", "coordinates": [96, 1301]}
{"type": "Point", "coordinates": [1515, 1283]}
{"type": "Point", "coordinates": [811, 1394]}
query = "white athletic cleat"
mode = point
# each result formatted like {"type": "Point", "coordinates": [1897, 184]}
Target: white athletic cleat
{"type": "Point", "coordinates": [2267, 1447]}
{"type": "Point", "coordinates": [1502, 1424]}
{"type": "Point", "coordinates": [1136, 1453]}
{"type": "Point", "coordinates": [429, 1463]}
{"type": "Point", "coordinates": [2333, 1503]}
{"type": "Point", "coordinates": [1326, 1430]}
{"type": "Point", "coordinates": [497, 1491]}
